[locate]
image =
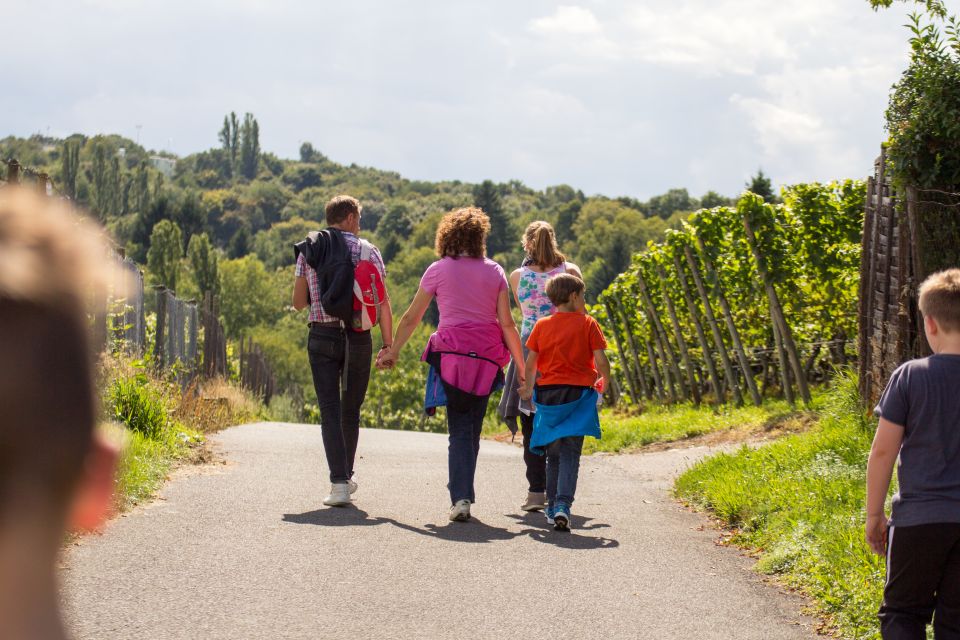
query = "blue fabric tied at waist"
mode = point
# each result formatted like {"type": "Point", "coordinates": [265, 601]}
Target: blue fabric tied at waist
{"type": "Point", "coordinates": [552, 422]}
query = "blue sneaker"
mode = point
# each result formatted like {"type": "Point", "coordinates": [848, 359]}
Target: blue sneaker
{"type": "Point", "coordinates": [550, 511]}
{"type": "Point", "coordinates": [561, 518]}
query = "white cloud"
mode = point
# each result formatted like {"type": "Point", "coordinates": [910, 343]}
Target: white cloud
{"type": "Point", "coordinates": [568, 20]}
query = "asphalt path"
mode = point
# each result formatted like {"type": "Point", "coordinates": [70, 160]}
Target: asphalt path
{"type": "Point", "coordinates": [245, 549]}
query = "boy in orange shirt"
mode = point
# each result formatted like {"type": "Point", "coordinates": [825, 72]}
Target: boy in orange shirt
{"type": "Point", "coordinates": [567, 349]}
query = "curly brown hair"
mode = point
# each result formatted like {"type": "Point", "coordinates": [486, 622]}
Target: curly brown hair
{"type": "Point", "coordinates": [463, 232]}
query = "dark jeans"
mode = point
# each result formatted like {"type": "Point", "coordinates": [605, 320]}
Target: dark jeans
{"type": "Point", "coordinates": [464, 423]}
{"type": "Point", "coordinates": [563, 469]}
{"type": "Point", "coordinates": [340, 407]}
{"type": "Point", "coordinates": [923, 581]}
{"type": "Point", "coordinates": [536, 465]}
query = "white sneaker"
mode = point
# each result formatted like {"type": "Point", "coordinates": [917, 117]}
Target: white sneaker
{"type": "Point", "coordinates": [535, 502]}
{"type": "Point", "coordinates": [353, 485]}
{"type": "Point", "coordinates": [339, 495]}
{"type": "Point", "coordinates": [460, 512]}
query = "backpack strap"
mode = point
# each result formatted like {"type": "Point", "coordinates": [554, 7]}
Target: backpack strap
{"type": "Point", "coordinates": [365, 249]}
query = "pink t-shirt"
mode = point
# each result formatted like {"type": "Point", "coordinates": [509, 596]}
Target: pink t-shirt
{"type": "Point", "coordinates": [466, 289]}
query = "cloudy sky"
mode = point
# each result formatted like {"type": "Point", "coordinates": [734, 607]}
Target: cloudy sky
{"type": "Point", "coordinates": [611, 96]}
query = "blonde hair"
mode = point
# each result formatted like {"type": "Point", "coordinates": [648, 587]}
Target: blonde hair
{"type": "Point", "coordinates": [541, 245]}
{"type": "Point", "coordinates": [53, 264]}
{"type": "Point", "coordinates": [940, 299]}
{"type": "Point", "coordinates": [463, 232]}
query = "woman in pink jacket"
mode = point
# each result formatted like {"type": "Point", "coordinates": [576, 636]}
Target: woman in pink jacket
{"type": "Point", "coordinates": [475, 338]}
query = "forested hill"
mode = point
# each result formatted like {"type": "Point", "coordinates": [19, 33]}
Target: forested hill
{"type": "Point", "coordinates": [253, 205]}
{"type": "Point", "coordinates": [250, 201]}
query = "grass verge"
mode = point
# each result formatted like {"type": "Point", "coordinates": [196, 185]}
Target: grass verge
{"type": "Point", "coordinates": [675, 423]}
{"type": "Point", "coordinates": [798, 503]}
{"type": "Point", "coordinates": [158, 424]}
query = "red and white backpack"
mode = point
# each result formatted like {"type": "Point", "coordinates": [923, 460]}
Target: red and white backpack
{"type": "Point", "coordinates": [368, 291]}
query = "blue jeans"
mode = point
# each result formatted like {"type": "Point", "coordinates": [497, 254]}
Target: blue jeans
{"type": "Point", "coordinates": [563, 468]}
{"type": "Point", "coordinates": [464, 423]}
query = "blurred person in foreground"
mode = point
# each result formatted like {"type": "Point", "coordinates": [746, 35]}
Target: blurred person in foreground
{"type": "Point", "coordinates": [56, 470]}
{"type": "Point", "coordinates": [919, 430]}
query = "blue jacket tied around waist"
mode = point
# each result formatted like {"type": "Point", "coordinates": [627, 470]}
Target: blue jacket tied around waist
{"type": "Point", "coordinates": [552, 422]}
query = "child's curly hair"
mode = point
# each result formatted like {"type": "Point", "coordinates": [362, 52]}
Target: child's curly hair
{"type": "Point", "coordinates": [463, 232]}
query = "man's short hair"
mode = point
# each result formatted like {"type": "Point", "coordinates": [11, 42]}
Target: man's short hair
{"type": "Point", "coordinates": [52, 264]}
{"type": "Point", "coordinates": [340, 208]}
{"type": "Point", "coordinates": [940, 299]}
{"type": "Point", "coordinates": [561, 287]}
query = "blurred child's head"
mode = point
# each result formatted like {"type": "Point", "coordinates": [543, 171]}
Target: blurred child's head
{"type": "Point", "coordinates": [566, 289]}
{"type": "Point", "coordinates": [940, 305]}
{"type": "Point", "coordinates": [54, 472]}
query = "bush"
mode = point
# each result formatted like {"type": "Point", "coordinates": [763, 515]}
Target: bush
{"type": "Point", "coordinates": [139, 407]}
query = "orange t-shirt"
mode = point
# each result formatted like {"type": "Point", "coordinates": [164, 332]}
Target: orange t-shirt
{"type": "Point", "coordinates": [564, 343]}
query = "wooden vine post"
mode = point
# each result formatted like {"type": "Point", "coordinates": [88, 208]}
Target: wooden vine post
{"type": "Point", "coordinates": [671, 367]}
{"type": "Point", "coordinates": [698, 326]}
{"type": "Point", "coordinates": [623, 354]}
{"type": "Point", "coordinates": [731, 325]}
{"type": "Point", "coordinates": [655, 370]}
{"type": "Point", "coordinates": [729, 375]}
{"type": "Point", "coordinates": [678, 333]}
{"type": "Point", "coordinates": [777, 316]}
{"type": "Point", "coordinates": [631, 342]}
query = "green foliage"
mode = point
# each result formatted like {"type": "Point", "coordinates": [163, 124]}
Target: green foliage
{"type": "Point", "coordinates": [761, 185]}
{"type": "Point", "coordinates": [249, 147]}
{"type": "Point", "coordinates": [923, 116]}
{"type": "Point", "coordinates": [487, 197]}
{"type": "Point", "coordinates": [166, 250]}
{"type": "Point", "coordinates": [135, 404]}
{"type": "Point", "coordinates": [799, 502]}
{"type": "Point", "coordinates": [809, 248]}
{"type": "Point", "coordinates": [204, 264]}
{"type": "Point", "coordinates": [251, 295]}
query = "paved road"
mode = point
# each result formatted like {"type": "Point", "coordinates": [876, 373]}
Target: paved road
{"type": "Point", "coordinates": [245, 550]}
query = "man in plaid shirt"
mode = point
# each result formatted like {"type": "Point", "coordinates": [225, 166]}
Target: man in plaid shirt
{"type": "Point", "coordinates": [340, 355]}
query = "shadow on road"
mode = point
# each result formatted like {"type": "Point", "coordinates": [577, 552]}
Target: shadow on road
{"type": "Point", "coordinates": [339, 517]}
{"type": "Point", "coordinates": [471, 531]}
{"type": "Point", "coordinates": [566, 539]}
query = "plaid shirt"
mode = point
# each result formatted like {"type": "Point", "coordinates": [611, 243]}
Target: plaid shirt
{"type": "Point", "coordinates": [313, 282]}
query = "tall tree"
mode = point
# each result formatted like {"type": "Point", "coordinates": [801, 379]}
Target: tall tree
{"type": "Point", "coordinates": [308, 153]}
{"type": "Point", "coordinates": [166, 250]}
{"type": "Point", "coordinates": [240, 242]}
{"type": "Point", "coordinates": [229, 138]}
{"type": "Point", "coordinates": [101, 179]}
{"type": "Point", "coordinates": [762, 186]}
{"type": "Point", "coordinates": [141, 188]}
{"type": "Point", "coordinates": [249, 147]}
{"type": "Point", "coordinates": [486, 195]}
{"type": "Point", "coordinates": [204, 263]}
{"type": "Point", "coordinates": [190, 215]}
{"type": "Point", "coordinates": [70, 165]}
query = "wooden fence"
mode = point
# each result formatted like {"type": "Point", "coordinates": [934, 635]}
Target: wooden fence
{"type": "Point", "coordinates": [905, 238]}
{"type": "Point", "coordinates": [188, 339]}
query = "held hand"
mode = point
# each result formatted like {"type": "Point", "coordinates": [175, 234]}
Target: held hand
{"type": "Point", "coordinates": [876, 533]}
{"type": "Point", "coordinates": [386, 359]}
{"type": "Point", "coordinates": [526, 393]}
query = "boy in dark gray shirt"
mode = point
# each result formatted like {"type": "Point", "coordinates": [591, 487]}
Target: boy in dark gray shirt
{"type": "Point", "coordinates": [920, 421]}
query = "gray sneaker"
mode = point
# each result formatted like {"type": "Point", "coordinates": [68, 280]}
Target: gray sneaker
{"type": "Point", "coordinates": [535, 502]}
{"type": "Point", "coordinates": [460, 512]}
{"type": "Point", "coordinates": [353, 485]}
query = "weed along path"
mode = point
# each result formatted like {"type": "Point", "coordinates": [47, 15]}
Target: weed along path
{"type": "Point", "coordinates": [245, 550]}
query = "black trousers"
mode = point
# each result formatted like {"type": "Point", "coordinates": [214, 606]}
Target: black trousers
{"type": "Point", "coordinates": [536, 465]}
{"type": "Point", "coordinates": [923, 582]}
{"type": "Point", "coordinates": [340, 396]}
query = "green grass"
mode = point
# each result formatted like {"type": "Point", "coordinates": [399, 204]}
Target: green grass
{"type": "Point", "coordinates": [673, 423]}
{"type": "Point", "coordinates": [799, 502]}
{"type": "Point", "coordinates": [145, 463]}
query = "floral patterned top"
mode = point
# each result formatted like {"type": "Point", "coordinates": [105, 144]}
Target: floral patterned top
{"type": "Point", "coordinates": [532, 294]}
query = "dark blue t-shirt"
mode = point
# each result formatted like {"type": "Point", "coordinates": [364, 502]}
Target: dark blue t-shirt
{"type": "Point", "coordinates": [923, 396]}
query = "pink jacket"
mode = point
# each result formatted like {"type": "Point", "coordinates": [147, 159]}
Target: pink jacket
{"type": "Point", "coordinates": [471, 355]}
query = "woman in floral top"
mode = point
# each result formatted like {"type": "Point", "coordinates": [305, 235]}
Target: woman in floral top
{"type": "Point", "coordinates": [529, 284]}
